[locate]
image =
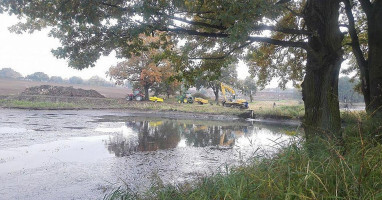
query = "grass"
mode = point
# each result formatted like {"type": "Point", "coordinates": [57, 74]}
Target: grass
{"type": "Point", "coordinates": [36, 105]}
{"type": "Point", "coordinates": [284, 109]}
{"type": "Point", "coordinates": [170, 105]}
{"type": "Point", "coordinates": [262, 109]}
{"type": "Point", "coordinates": [352, 170]}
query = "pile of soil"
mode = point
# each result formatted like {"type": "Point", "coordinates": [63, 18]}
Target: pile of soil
{"type": "Point", "coordinates": [61, 91]}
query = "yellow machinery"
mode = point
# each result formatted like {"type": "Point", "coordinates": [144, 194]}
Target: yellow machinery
{"type": "Point", "coordinates": [233, 102]}
{"type": "Point", "coordinates": [201, 101]}
{"type": "Point", "coordinates": [156, 99]}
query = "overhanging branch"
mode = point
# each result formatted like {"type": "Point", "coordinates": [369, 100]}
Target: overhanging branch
{"type": "Point", "coordinates": [282, 43]}
{"type": "Point", "coordinates": [283, 30]}
{"type": "Point", "coordinates": [250, 38]}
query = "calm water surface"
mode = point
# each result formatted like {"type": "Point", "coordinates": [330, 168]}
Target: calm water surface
{"type": "Point", "coordinates": [86, 154]}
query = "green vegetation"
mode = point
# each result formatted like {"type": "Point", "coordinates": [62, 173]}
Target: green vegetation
{"type": "Point", "coordinates": [41, 103]}
{"type": "Point", "coordinates": [282, 112]}
{"type": "Point", "coordinates": [286, 109]}
{"type": "Point", "coordinates": [349, 90]}
{"type": "Point", "coordinates": [9, 73]}
{"type": "Point", "coordinates": [351, 171]}
{"type": "Point", "coordinates": [36, 105]}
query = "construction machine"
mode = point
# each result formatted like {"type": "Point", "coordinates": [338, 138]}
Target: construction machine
{"type": "Point", "coordinates": [232, 102]}
{"type": "Point", "coordinates": [201, 101]}
{"type": "Point", "coordinates": [186, 97]}
{"type": "Point", "coordinates": [156, 99]}
{"type": "Point", "coordinates": [136, 95]}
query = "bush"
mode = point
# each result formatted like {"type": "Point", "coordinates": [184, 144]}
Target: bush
{"type": "Point", "coordinates": [200, 95]}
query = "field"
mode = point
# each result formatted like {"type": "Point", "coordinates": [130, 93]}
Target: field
{"type": "Point", "coordinates": [15, 87]}
{"type": "Point", "coordinates": [10, 98]}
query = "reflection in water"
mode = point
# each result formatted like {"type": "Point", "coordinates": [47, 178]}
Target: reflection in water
{"type": "Point", "coordinates": [143, 135]}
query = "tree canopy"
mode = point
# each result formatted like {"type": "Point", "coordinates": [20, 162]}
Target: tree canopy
{"type": "Point", "coordinates": [75, 80]}
{"type": "Point", "coordinates": [38, 76]}
{"type": "Point", "coordinates": [208, 29]}
{"type": "Point", "coordinates": [9, 73]}
{"type": "Point", "coordinates": [146, 70]}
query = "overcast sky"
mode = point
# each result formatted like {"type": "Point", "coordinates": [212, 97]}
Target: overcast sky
{"type": "Point", "coordinates": [29, 53]}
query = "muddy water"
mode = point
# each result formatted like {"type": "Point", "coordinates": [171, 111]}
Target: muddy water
{"type": "Point", "coordinates": [85, 154]}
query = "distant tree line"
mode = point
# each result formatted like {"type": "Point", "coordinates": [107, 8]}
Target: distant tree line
{"type": "Point", "coordinates": [9, 73]}
{"type": "Point", "coordinates": [349, 91]}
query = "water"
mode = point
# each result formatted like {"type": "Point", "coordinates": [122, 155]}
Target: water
{"type": "Point", "coordinates": [85, 154]}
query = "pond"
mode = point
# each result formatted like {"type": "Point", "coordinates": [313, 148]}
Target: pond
{"type": "Point", "coordinates": [86, 154]}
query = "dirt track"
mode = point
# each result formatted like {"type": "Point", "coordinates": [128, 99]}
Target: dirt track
{"type": "Point", "coordinates": [15, 87]}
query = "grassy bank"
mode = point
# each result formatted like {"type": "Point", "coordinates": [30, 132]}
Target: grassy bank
{"type": "Point", "coordinates": [262, 109]}
{"type": "Point", "coordinates": [351, 171]}
{"type": "Point", "coordinates": [284, 109]}
{"type": "Point", "coordinates": [42, 103]}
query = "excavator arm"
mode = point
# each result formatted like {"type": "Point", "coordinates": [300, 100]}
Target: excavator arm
{"type": "Point", "coordinates": [242, 103]}
{"type": "Point", "coordinates": [225, 87]}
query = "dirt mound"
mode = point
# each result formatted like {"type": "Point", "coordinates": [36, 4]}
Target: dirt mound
{"type": "Point", "coordinates": [61, 91]}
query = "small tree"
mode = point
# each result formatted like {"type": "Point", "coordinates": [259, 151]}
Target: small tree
{"type": "Point", "coordinates": [347, 92]}
{"type": "Point", "coordinates": [98, 81]}
{"type": "Point", "coordinates": [248, 86]}
{"type": "Point", "coordinates": [9, 73]}
{"type": "Point", "coordinates": [76, 80]}
{"type": "Point", "coordinates": [38, 76]}
{"type": "Point", "coordinates": [56, 79]}
{"type": "Point", "coordinates": [228, 76]}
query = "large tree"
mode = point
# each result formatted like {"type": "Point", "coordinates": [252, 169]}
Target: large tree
{"type": "Point", "coordinates": [168, 85]}
{"type": "Point", "coordinates": [145, 70]}
{"type": "Point", "coordinates": [368, 53]}
{"type": "Point", "coordinates": [212, 30]}
{"type": "Point", "coordinates": [142, 71]}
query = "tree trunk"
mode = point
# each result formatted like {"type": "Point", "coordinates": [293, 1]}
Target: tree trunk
{"type": "Point", "coordinates": [147, 95]}
{"type": "Point", "coordinates": [375, 60]}
{"type": "Point", "coordinates": [324, 58]}
{"type": "Point", "coordinates": [356, 48]}
{"type": "Point", "coordinates": [216, 92]}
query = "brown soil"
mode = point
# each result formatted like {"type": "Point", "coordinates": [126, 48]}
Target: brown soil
{"type": "Point", "coordinates": [15, 87]}
{"type": "Point", "coordinates": [61, 91]}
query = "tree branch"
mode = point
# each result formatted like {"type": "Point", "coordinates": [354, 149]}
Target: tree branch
{"type": "Point", "coordinates": [194, 32]}
{"type": "Point", "coordinates": [283, 30]}
{"type": "Point", "coordinates": [354, 37]}
{"type": "Point", "coordinates": [257, 28]}
{"type": "Point", "coordinates": [303, 45]}
{"type": "Point", "coordinates": [223, 56]}
{"type": "Point", "coordinates": [282, 43]}
{"type": "Point", "coordinates": [197, 23]}
{"type": "Point", "coordinates": [366, 6]}
{"type": "Point", "coordinates": [250, 38]}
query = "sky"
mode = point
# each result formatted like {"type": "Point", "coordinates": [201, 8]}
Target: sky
{"type": "Point", "coordinates": [29, 53]}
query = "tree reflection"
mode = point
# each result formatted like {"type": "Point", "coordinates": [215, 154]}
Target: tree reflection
{"type": "Point", "coordinates": [149, 136]}
{"type": "Point", "coordinates": [166, 134]}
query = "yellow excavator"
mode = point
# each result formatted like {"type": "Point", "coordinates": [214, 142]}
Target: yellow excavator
{"type": "Point", "coordinates": [233, 102]}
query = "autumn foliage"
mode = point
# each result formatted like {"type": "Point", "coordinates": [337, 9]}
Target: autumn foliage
{"type": "Point", "coordinates": [148, 70]}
